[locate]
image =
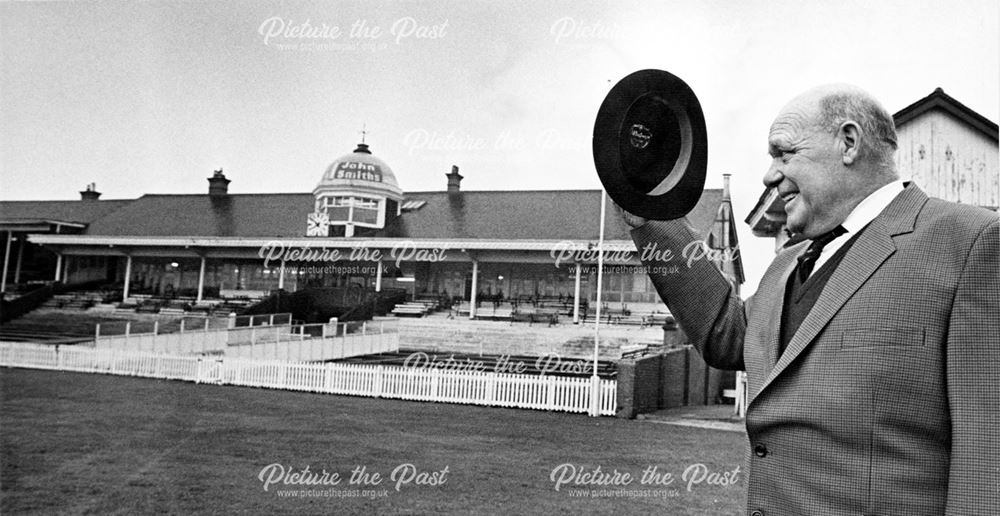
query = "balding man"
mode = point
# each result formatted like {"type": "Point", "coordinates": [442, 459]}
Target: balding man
{"type": "Point", "coordinates": [872, 347]}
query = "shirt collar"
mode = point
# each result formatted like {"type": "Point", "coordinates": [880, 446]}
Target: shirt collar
{"type": "Point", "coordinates": [871, 206]}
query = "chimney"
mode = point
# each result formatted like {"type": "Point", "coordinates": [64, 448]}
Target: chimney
{"type": "Point", "coordinates": [91, 193]}
{"type": "Point", "coordinates": [725, 188]}
{"type": "Point", "coordinates": [454, 180]}
{"type": "Point", "coordinates": [218, 185]}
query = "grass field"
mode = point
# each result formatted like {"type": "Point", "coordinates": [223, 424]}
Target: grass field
{"type": "Point", "coordinates": [86, 443]}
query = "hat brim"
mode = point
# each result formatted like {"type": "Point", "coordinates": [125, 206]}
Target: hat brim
{"type": "Point", "coordinates": [650, 145]}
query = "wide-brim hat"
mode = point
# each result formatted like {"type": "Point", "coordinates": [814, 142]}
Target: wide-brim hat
{"type": "Point", "coordinates": [650, 146]}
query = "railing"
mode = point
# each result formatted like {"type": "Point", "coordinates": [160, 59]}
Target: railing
{"type": "Point", "coordinates": [464, 387]}
{"type": "Point", "coordinates": [289, 342]}
{"type": "Point", "coordinates": [314, 342]}
{"type": "Point", "coordinates": [260, 319]}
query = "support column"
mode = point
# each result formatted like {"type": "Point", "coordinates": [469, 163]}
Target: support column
{"type": "Point", "coordinates": [128, 277]}
{"type": "Point", "coordinates": [6, 262]}
{"type": "Point", "coordinates": [576, 296]}
{"type": "Point", "coordinates": [378, 276]}
{"type": "Point", "coordinates": [59, 261]}
{"type": "Point", "coordinates": [475, 288]}
{"type": "Point", "coordinates": [201, 281]}
{"type": "Point", "coordinates": [20, 255]}
{"type": "Point", "coordinates": [281, 274]}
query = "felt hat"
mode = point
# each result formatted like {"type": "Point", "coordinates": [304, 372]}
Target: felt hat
{"type": "Point", "coordinates": [650, 146]}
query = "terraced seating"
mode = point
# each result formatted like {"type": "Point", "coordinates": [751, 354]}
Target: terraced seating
{"type": "Point", "coordinates": [234, 305]}
{"type": "Point", "coordinates": [626, 317]}
{"type": "Point", "coordinates": [74, 300]}
{"type": "Point", "coordinates": [547, 315]}
{"type": "Point", "coordinates": [414, 308]}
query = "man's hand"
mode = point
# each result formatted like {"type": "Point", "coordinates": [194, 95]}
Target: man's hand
{"type": "Point", "coordinates": [634, 221]}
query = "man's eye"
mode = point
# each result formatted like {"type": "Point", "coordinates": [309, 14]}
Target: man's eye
{"type": "Point", "coordinates": [786, 155]}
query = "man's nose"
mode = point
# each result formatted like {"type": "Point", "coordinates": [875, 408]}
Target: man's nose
{"type": "Point", "coordinates": [773, 176]}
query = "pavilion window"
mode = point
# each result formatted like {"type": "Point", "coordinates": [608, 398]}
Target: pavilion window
{"type": "Point", "coordinates": [358, 210]}
{"type": "Point", "coordinates": [365, 211]}
{"type": "Point", "coordinates": [338, 209]}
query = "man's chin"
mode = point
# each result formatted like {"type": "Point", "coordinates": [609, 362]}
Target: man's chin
{"type": "Point", "coordinates": [794, 225]}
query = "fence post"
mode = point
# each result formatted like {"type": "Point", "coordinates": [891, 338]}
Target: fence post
{"type": "Point", "coordinates": [379, 386]}
{"type": "Point", "coordinates": [97, 332]}
{"type": "Point", "coordinates": [182, 325]}
{"type": "Point", "coordinates": [270, 320]}
{"type": "Point", "coordinates": [491, 388]}
{"type": "Point", "coordinates": [232, 320]}
{"type": "Point", "coordinates": [550, 392]}
{"type": "Point", "coordinates": [435, 384]}
{"type": "Point", "coordinates": [328, 378]}
{"type": "Point", "coordinates": [156, 327]}
{"type": "Point", "coordinates": [206, 323]}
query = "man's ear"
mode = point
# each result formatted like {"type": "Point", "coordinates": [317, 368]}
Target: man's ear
{"type": "Point", "coordinates": [849, 136]}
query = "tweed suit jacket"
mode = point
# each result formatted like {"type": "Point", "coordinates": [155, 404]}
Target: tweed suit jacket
{"type": "Point", "coordinates": [887, 399]}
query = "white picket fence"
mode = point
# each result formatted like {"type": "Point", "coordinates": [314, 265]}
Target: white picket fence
{"type": "Point", "coordinates": [556, 393]}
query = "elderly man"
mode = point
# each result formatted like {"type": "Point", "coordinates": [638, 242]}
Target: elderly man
{"type": "Point", "coordinates": [872, 348]}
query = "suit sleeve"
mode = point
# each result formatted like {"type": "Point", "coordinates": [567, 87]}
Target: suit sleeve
{"type": "Point", "coordinates": [973, 369]}
{"type": "Point", "coordinates": [698, 295]}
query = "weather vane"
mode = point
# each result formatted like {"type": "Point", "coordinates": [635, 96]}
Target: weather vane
{"type": "Point", "coordinates": [363, 131]}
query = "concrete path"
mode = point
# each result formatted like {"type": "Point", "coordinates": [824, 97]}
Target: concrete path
{"type": "Point", "coordinates": [714, 417]}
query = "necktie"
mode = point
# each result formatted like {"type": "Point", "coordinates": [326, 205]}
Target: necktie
{"type": "Point", "coordinates": [808, 259]}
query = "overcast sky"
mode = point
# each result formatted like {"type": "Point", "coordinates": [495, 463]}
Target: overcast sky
{"type": "Point", "coordinates": [150, 97]}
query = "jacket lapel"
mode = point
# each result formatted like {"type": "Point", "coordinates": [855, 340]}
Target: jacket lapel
{"type": "Point", "coordinates": [774, 328]}
{"type": "Point", "coordinates": [872, 248]}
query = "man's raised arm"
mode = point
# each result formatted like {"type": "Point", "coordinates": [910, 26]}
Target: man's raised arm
{"type": "Point", "coordinates": [705, 304]}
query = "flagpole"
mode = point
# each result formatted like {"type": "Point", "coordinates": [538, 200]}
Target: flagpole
{"type": "Point", "coordinates": [595, 381]}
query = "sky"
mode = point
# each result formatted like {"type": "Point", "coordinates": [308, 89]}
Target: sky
{"type": "Point", "coordinates": [151, 97]}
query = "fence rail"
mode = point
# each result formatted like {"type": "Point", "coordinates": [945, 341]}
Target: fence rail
{"type": "Point", "coordinates": [537, 392]}
{"type": "Point", "coordinates": [284, 341]}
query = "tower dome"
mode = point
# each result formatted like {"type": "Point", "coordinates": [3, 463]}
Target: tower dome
{"type": "Point", "coordinates": [360, 172]}
{"type": "Point", "coordinates": [357, 195]}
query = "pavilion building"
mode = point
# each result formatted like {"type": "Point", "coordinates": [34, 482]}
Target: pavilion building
{"type": "Point", "coordinates": [356, 227]}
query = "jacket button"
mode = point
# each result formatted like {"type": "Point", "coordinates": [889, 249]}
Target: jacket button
{"type": "Point", "coordinates": [756, 513]}
{"type": "Point", "coordinates": [760, 450]}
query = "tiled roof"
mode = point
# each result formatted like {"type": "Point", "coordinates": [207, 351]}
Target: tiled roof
{"type": "Point", "coordinates": [524, 215]}
{"type": "Point", "coordinates": [83, 212]}
{"type": "Point", "coordinates": [234, 215]}
{"type": "Point", "coordinates": [488, 215]}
